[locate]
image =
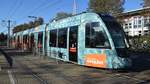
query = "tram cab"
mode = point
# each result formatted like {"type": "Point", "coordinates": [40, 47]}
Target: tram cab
{"type": "Point", "coordinates": [106, 38]}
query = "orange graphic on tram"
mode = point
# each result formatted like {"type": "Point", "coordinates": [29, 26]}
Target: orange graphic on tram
{"type": "Point", "coordinates": [96, 60]}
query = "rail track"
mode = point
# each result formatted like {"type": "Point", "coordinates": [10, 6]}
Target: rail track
{"type": "Point", "coordinates": [110, 74]}
{"type": "Point", "coordinates": [29, 71]}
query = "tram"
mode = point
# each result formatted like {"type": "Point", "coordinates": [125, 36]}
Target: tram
{"type": "Point", "coordinates": [89, 39]}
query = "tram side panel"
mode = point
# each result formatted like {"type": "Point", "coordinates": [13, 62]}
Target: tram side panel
{"type": "Point", "coordinates": [57, 41]}
{"type": "Point", "coordinates": [89, 53]}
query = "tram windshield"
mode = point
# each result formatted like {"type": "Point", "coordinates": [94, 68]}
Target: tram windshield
{"type": "Point", "coordinates": [115, 30]}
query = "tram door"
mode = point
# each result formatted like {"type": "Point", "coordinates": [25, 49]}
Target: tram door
{"type": "Point", "coordinates": [73, 44]}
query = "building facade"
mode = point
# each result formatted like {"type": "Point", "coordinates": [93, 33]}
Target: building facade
{"type": "Point", "coordinates": [137, 22]}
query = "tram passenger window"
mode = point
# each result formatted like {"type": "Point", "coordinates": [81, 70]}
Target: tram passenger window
{"type": "Point", "coordinates": [25, 39]}
{"type": "Point", "coordinates": [40, 39]}
{"type": "Point", "coordinates": [62, 38]}
{"type": "Point", "coordinates": [95, 36]}
{"type": "Point", "coordinates": [53, 38]}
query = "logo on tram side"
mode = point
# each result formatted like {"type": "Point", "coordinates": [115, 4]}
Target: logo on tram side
{"type": "Point", "coordinates": [96, 60]}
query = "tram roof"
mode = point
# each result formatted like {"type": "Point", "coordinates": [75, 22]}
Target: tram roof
{"type": "Point", "coordinates": [62, 23]}
{"type": "Point", "coordinates": [26, 32]}
{"type": "Point", "coordinates": [32, 30]}
{"type": "Point", "coordinates": [72, 20]}
{"type": "Point", "coordinates": [40, 28]}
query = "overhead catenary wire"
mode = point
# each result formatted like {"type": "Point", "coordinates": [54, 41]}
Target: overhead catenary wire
{"type": "Point", "coordinates": [29, 12]}
{"type": "Point", "coordinates": [61, 6]}
{"type": "Point", "coordinates": [18, 6]}
{"type": "Point", "coordinates": [40, 8]}
{"type": "Point", "coordinates": [11, 7]}
{"type": "Point", "coordinates": [48, 6]}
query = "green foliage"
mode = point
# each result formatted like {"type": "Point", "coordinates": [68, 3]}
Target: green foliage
{"type": "Point", "coordinates": [3, 39]}
{"type": "Point", "coordinates": [107, 6]}
{"type": "Point", "coordinates": [31, 24]}
{"type": "Point", "coordinates": [62, 15]}
{"type": "Point", "coordinates": [140, 43]}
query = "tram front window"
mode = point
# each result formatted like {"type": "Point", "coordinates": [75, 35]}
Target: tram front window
{"type": "Point", "coordinates": [116, 34]}
{"type": "Point", "coordinates": [115, 31]}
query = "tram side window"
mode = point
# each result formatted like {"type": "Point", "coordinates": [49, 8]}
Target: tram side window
{"type": "Point", "coordinates": [25, 39]}
{"type": "Point", "coordinates": [53, 38]}
{"type": "Point", "coordinates": [62, 38]}
{"type": "Point", "coordinates": [95, 36]}
{"type": "Point", "coordinates": [40, 39]}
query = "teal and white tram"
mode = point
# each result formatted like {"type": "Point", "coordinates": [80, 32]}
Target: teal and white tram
{"type": "Point", "coordinates": [88, 39]}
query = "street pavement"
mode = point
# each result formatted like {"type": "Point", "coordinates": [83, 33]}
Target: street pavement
{"type": "Point", "coordinates": [29, 69]}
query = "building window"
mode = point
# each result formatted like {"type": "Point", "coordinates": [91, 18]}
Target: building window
{"type": "Point", "coordinates": [62, 38]}
{"type": "Point", "coordinates": [139, 26]}
{"type": "Point", "coordinates": [146, 21]}
{"type": "Point", "coordinates": [126, 26]}
{"type": "Point", "coordinates": [139, 23]}
{"type": "Point", "coordinates": [135, 26]}
{"type": "Point", "coordinates": [135, 22]}
{"type": "Point", "coordinates": [146, 32]}
{"type": "Point", "coordinates": [95, 36]}
{"type": "Point", "coordinates": [126, 33]}
{"type": "Point", "coordinates": [130, 25]}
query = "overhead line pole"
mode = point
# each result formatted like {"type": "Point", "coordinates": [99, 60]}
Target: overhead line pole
{"type": "Point", "coordinates": [8, 40]}
{"type": "Point", "coordinates": [8, 35]}
{"type": "Point", "coordinates": [74, 7]}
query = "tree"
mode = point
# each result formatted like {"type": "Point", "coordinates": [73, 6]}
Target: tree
{"type": "Point", "coordinates": [107, 6]}
{"type": "Point", "coordinates": [62, 15]}
{"type": "Point", "coordinates": [31, 24]}
{"type": "Point", "coordinates": [146, 3]}
{"type": "Point", "coordinates": [38, 22]}
{"type": "Point", "coordinates": [2, 37]}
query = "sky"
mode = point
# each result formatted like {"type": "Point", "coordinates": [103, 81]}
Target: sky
{"type": "Point", "coordinates": [18, 10]}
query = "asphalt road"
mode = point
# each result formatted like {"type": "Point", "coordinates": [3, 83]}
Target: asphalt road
{"type": "Point", "coordinates": [29, 69]}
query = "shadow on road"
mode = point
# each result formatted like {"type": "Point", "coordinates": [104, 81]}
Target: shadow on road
{"type": "Point", "coordinates": [8, 57]}
{"type": "Point", "coordinates": [140, 62]}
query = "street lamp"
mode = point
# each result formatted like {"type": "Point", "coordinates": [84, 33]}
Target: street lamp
{"type": "Point", "coordinates": [33, 17]}
{"type": "Point", "coordinates": [34, 47]}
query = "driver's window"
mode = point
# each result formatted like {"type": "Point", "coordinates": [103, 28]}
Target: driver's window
{"type": "Point", "coordinates": [95, 36]}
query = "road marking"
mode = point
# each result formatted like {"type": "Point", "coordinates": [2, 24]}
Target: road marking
{"type": "Point", "coordinates": [11, 77]}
